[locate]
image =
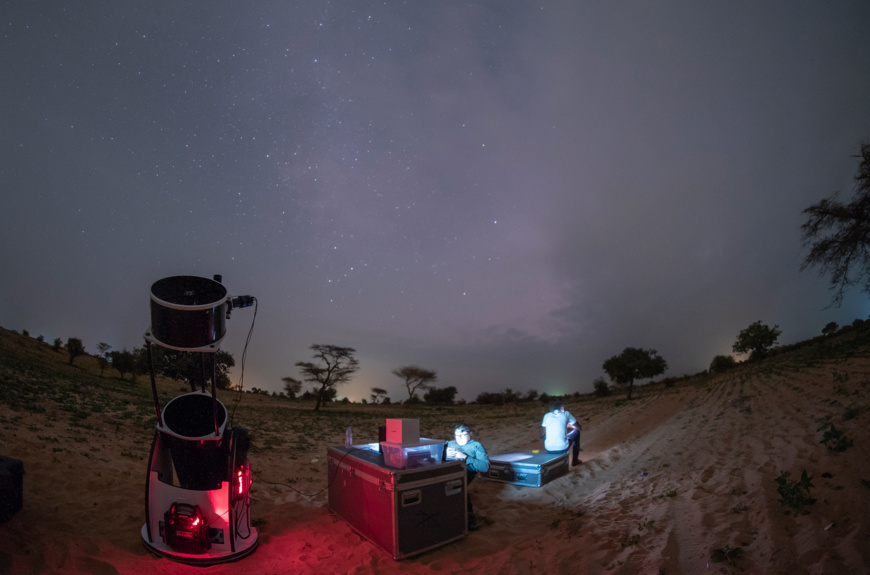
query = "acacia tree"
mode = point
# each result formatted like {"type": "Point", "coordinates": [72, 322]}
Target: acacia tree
{"type": "Point", "coordinates": [838, 235]}
{"type": "Point", "coordinates": [75, 348]}
{"type": "Point", "coordinates": [378, 394]}
{"type": "Point", "coordinates": [335, 366]}
{"type": "Point", "coordinates": [415, 378]}
{"type": "Point", "coordinates": [757, 339]}
{"type": "Point", "coordinates": [632, 364]}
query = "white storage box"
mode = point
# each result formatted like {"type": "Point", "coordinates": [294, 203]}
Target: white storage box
{"type": "Point", "coordinates": [403, 430]}
{"type": "Point", "coordinates": [411, 455]}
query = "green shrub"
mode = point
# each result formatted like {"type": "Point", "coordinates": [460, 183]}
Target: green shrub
{"type": "Point", "coordinates": [794, 494]}
{"type": "Point", "coordinates": [727, 553]}
{"type": "Point", "coordinates": [835, 440]}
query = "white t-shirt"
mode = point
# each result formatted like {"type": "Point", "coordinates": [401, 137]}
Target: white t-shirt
{"type": "Point", "coordinates": [556, 425]}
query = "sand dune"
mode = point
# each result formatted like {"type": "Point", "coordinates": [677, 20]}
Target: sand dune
{"type": "Point", "coordinates": [667, 478]}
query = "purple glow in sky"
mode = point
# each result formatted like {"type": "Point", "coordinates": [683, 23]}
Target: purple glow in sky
{"type": "Point", "coordinates": [506, 193]}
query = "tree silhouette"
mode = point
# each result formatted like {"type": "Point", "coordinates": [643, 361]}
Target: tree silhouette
{"type": "Point", "coordinates": [440, 396]}
{"type": "Point", "coordinates": [191, 367]}
{"type": "Point", "coordinates": [415, 378]}
{"type": "Point", "coordinates": [838, 235]}
{"type": "Point", "coordinates": [124, 362]}
{"type": "Point", "coordinates": [632, 364]}
{"type": "Point", "coordinates": [75, 348]}
{"type": "Point", "coordinates": [291, 386]}
{"type": "Point", "coordinates": [831, 328]}
{"type": "Point", "coordinates": [378, 394]}
{"type": "Point", "coordinates": [103, 358]}
{"type": "Point", "coordinates": [757, 339]}
{"type": "Point", "coordinates": [722, 363]}
{"type": "Point", "coordinates": [335, 366]}
{"type": "Point", "coordinates": [602, 388]}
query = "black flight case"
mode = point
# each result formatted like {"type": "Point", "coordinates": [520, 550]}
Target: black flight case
{"type": "Point", "coordinates": [403, 511]}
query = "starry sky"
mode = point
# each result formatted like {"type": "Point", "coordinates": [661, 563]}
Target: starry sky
{"type": "Point", "coordinates": [508, 193]}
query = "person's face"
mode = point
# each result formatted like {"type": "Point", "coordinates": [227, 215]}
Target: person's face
{"type": "Point", "coordinates": [462, 437]}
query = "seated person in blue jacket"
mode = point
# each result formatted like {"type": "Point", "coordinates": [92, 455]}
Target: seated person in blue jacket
{"type": "Point", "coordinates": [463, 447]}
{"type": "Point", "coordinates": [561, 431]}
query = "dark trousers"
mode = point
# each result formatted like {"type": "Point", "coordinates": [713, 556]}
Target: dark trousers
{"type": "Point", "coordinates": [574, 443]}
{"type": "Point", "coordinates": [573, 438]}
{"type": "Point", "coordinates": [470, 477]}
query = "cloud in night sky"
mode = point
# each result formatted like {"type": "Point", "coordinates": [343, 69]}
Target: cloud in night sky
{"type": "Point", "coordinates": [505, 193]}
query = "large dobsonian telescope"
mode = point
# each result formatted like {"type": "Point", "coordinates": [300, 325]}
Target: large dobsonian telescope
{"type": "Point", "coordinates": [197, 494]}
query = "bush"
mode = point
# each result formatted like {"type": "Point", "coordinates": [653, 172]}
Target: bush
{"type": "Point", "coordinates": [602, 388]}
{"type": "Point", "coordinates": [440, 396]}
{"type": "Point", "coordinates": [489, 398]}
{"type": "Point", "coordinates": [722, 363]}
{"type": "Point", "coordinates": [670, 381]}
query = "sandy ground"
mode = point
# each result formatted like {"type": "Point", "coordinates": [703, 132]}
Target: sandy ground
{"type": "Point", "coordinates": [667, 478]}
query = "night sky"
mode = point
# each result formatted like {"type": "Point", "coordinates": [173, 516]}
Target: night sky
{"type": "Point", "coordinates": [507, 193]}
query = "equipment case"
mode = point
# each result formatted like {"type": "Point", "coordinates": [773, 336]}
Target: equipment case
{"type": "Point", "coordinates": [527, 467]}
{"type": "Point", "coordinates": [403, 511]}
{"type": "Point", "coordinates": [11, 487]}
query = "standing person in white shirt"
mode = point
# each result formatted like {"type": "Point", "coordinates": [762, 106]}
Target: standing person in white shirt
{"type": "Point", "coordinates": [561, 431]}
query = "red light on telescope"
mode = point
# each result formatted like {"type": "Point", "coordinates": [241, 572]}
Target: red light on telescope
{"type": "Point", "coordinates": [243, 481]}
